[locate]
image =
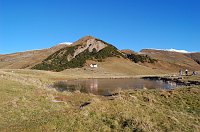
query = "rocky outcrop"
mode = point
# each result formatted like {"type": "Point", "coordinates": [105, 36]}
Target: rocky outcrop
{"type": "Point", "coordinates": [91, 44]}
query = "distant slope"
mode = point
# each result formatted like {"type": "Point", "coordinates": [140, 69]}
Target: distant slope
{"type": "Point", "coordinates": [195, 56]}
{"type": "Point", "coordinates": [75, 55]}
{"type": "Point", "coordinates": [171, 61]}
{"type": "Point", "coordinates": [135, 57]}
{"type": "Point", "coordinates": [26, 59]}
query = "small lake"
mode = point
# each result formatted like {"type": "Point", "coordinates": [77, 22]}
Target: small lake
{"type": "Point", "coordinates": [108, 86]}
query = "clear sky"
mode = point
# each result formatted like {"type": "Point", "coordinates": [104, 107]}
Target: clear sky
{"type": "Point", "coordinates": [127, 24]}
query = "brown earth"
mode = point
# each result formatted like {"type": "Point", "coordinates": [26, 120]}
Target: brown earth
{"type": "Point", "coordinates": [28, 59]}
{"type": "Point", "coordinates": [171, 61]}
{"type": "Point", "coordinates": [127, 51]}
{"type": "Point", "coordinates": [195, 56]}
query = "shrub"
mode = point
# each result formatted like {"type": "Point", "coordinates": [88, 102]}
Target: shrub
{"type": "Point", "coordinates": [197, 61]}
{"type": "Point", "coordinates": [140, 58]}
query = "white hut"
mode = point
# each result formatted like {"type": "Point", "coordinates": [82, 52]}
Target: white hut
{"type": "Point", "coordinates": [93, 65]}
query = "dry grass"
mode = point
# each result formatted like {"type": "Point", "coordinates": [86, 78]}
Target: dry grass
{"type": "Point", "coordinates": [26, 105]}
{"type": "Point", "coordinates": [27, 59]}
{"type": "Point", "coordinates": [171, 61]}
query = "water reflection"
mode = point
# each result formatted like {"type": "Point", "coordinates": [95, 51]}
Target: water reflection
{"type": "Point", "coordinates": [107, 86]}
{"type": "Point", "coordinates": [93, 85]}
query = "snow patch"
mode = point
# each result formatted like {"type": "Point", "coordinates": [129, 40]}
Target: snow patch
{"type": "Point", "coordinates": [173, 50]}
{"type": "Point", "coordinates": [67, 43]}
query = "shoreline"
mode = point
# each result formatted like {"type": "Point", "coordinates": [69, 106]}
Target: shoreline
{"type": "Point", "coordinates": [179, 80]}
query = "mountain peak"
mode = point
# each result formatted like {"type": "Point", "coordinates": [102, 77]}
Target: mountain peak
{"type": "Point", "coordinates": [88, 37]}
{"type": "Point", "coordinates": [83, 40]}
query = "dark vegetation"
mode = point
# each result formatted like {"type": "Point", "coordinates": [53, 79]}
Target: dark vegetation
{"type": "Point", "coordinates": [58, 61]}
{"type": "Point", "coordinates": [140, 58]}
{"type": "Point", "coordinates": [197, 61]}
{"type": "Point", "coordinates": [194, 56]}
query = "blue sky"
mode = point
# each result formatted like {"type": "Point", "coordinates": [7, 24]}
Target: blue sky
{"type": "Point", "coordinates": [128, 24]}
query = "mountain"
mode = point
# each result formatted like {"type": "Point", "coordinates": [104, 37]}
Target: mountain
{"type": "Point", "coordinates": [172, 61]}
{"type": "Point", "coordinates": [76, 54]}
{"type": "Point", "coordinates": [67, 57]}
{"type": "Point", "coordinates": [27, 59]}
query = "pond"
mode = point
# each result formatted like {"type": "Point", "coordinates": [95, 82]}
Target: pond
{"type": "Point", "coordinates": [108, 86]}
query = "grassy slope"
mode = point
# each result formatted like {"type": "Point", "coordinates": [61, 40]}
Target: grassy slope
{"type": "Point", "coordinates": [126, 67]}
{"type": "Point", "coordinates": [171, 61]}
{"type": "Point", "coordinates": [33, 108]}
{"type": "Point", "coordinates": [58, 61]}
{"type": "Point", "coordinates": [26, 59]}
{"type": "Point", "coordinates": [135, 57]}
{"type": "Point", "coordinates": [194, 56]}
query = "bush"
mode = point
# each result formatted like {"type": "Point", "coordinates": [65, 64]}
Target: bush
{"type": "Point", "coordinates": [197, 61]}
{"type": "Point", "coordinates": [140, 58]}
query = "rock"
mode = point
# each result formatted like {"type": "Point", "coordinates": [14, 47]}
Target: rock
{"type": "Point", "coordinates": [111, 94]}
{"type": "Point", "coordinates": [84, 104]}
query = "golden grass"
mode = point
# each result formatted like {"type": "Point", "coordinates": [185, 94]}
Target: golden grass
{"type": "Point", "coordinates": [28, 105]}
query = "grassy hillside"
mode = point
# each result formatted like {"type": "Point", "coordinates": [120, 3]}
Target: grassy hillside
{"type": "Point", "coordinates": [171, 61]}
{"type": "Point", "coordinates": [27, 106]}
{"type": "Point", "coordinates": [27, 59]}
{"type": "Point", "coordinates": [194, 56]}
{"type": "Point", "coordinates": [58, 61]}
{"type": "Point", "coordinates": [140, 58]}
{"type": "Point", "coordinates": [135, 57]}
